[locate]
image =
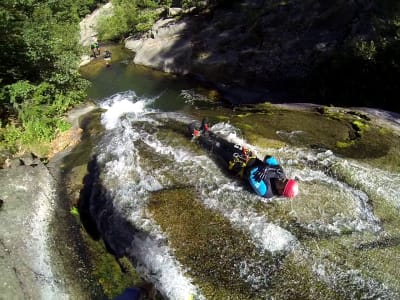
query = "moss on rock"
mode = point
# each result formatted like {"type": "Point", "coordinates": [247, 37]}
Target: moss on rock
{"type": "Point", "coordinates": [208, 245]}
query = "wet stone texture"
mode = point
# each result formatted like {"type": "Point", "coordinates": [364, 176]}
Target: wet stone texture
{"type": "Point", "coordinates": [25, 242]}
{"type": "Point", "coordinates": [213, 250]}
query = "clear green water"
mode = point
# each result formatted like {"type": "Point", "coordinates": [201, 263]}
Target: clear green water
{"type": "Point", "coordinates": [123, 75]}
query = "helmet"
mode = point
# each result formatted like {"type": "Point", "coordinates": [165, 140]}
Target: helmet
{"type": "Point", "coordinates": [291, 189]}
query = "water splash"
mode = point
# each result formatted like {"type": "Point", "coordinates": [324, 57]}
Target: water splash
{"type": "Point", "coordinates": [319, 168]}
{"type": "Point", "coordinates": [128, 185]}
{"type": "Point", "coordinates": [374, 181]}
{"type": "Point", "coordinates": [129, 180]}
{"type": "Point", "coordinates": [351, 283]}
{"type": "Point", "coordinates": [121, 104]}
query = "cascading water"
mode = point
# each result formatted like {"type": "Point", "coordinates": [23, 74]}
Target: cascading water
{"type": "Point", "coordinates": [135, 158]}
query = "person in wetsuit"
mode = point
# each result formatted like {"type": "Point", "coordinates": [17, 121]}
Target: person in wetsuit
{"type": "Point", "coordinates": [266, 176]}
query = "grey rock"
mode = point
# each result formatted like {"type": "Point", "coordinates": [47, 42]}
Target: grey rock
{"type": "Point", "coordinates": [31, 263]}
{"type": "Point", "coordinates": [14, 163]}
{"type": "Point", "coordinates": [30, 159]}
{"type": "Point", "coordinates": [28, 200]}
{"type": "Point", "coordinates": [260, 45]}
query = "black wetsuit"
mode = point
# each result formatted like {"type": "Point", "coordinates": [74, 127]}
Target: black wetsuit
{"type": "Point", "coordinates": [240, 163]}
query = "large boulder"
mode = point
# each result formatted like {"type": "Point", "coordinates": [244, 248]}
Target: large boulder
{"type": "Point", "coordinates": [255, 44]}
{"type": "Point", "coordinates": [165, 47]}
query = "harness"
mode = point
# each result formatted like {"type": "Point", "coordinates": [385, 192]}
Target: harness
{"type": "Point", "coordinates": [240, 160]}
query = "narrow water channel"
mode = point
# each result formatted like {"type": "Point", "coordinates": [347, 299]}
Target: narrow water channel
{"type": "Point", "coordinates": [198, 233]}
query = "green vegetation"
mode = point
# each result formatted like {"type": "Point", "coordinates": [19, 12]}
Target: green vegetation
{"type": "Point", "coordinates": [135, 17]}
{"type": "Point", "coordinates": [39, 78]}
{"type": "Point", "coordinates": [113, 275]}
{"type": "Point", "coordinates": [129, 17]}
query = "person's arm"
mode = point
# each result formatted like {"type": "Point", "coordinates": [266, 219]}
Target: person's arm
{"type": "Point", "coordinates": [269, 169]}
{"type": "Point", "coordinates": [269, 192]}
{"type": "Point", "coordinates": [262, 187]}
{"type": "Point", "coordinates": [267, 172]}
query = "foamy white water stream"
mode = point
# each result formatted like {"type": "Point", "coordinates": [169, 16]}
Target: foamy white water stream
{"type": "Point", "coordinates": [128, 180]}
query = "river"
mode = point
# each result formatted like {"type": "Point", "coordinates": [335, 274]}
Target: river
{"type": "Point", "coordinates": [196, 232]}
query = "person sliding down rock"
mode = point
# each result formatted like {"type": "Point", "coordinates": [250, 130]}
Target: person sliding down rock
{"type": "Point", "coordinates": [266, 177]}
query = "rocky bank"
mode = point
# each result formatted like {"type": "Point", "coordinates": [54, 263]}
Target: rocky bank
{"type": "Point", "coordinates": [278, 51]}
{"type": "Point", "coordinates": [37, 262]}
{"type": "Point", "coordinates": [28, 202]}
{"type": "Point", "coordinates": [269, 48]}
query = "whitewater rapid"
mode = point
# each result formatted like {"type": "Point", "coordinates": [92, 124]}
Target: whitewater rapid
{"type": "Point", "coordinates": [129, 182]}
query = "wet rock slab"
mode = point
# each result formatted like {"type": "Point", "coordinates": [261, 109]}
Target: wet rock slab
{"type": "Point", "coordinates": [27, 203]}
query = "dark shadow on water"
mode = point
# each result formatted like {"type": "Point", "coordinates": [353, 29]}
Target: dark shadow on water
{"type": "Point", "coordinates": [85, 196]}
{"type": "Point", "coordinates": [102, 220]}
{"type": "Point", "coordinates": [99, 217]}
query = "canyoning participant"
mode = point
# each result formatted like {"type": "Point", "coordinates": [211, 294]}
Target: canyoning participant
{"type": "Point", "coordinates": [97, 47]}
{"type": "Point", "coordinates": [107, 54]}
{"type": "Point", "coordinates": [107, 57]}
{"type": "Point", "coordinates": [93, 48]}
{"type": "Point", "coordinates": [266, 177]}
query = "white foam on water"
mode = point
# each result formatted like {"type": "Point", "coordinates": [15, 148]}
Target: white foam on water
{"type": "Point", "coordinates": [339, 280]}
{"type": "Point", "coordinates": [266, 235]}
{"type": "Point", "coordinates": [158, 264]}
{"type": "Point", "coordinates": [314, 167]}
{"type": "Point", "coordinates": [129, 184]}
{"type": "Point", "coordinates": [324, 167]}
{"type": "Point", "coordinates": [121, 104]}
{"type": "Point", "coordinates": [364, 178]}
{"type": "Point", "coordinates": [375, 181]}
{"type": "Point", "coordinates": [359, 217]}
{"type": "Point", "coordinates": [50, 287]}
{"type": "Point", "coordinates": [231, 134]}
{"type": "Point", "coordinates": [293, 160]}
{"type": "Point", "coordinates": [154, 256]}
